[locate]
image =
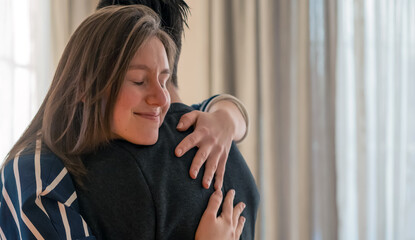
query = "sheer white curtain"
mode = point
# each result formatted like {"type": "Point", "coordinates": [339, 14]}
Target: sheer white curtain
{"type": "Point", "coordinates": [24, 65]}
{"type": "Point", "coordinates": [375, 138]}
{"type": "Point", "coordinates": [33, 34]}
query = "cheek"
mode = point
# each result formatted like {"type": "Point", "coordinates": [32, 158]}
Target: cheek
{"type": "Point", "coordinates": [168, 100]}
{"type": "Point", "coordinates": [117, 116]}
{"type": "Point", "coordinates": [123, 106]}
{"type": "Point", "coordinates": [167, 97]}
{"type": "Point", "coordinates": [128, 98]}
{"type": "Point", "coordinates": [166, 107]}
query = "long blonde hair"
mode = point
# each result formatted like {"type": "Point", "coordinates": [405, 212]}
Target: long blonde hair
{"type": "Point", "coordinates": [74, 118]}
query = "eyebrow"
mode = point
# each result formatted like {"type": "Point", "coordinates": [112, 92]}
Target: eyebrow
{"type": "Point", "coordinates": [144, 67]}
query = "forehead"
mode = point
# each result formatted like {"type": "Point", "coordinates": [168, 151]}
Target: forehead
{"type": "Point", "coordinates": [151, 51]}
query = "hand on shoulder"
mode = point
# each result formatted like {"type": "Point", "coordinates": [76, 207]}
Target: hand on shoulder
{"type": "Point", "coordinates": [230, 223]}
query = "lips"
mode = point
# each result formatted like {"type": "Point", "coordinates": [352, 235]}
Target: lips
{"type": "Point", "coordinates": [149, 115]}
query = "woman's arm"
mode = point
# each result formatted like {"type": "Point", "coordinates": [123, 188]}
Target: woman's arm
{"type": "Point", "coordinates": [233, 112]}
{"type": "Point", "coordinates": [221, 120]}
{"type": "Point", "coordinates": [33, 208]}
{"type": "Point", "coordinates": [232, 106]}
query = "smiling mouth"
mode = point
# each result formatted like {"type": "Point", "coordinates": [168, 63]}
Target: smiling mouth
{"type": "Point", "coordinates": [149, 116]}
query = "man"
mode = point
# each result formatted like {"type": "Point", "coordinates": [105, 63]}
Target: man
{"type": "Point", "coordinates": [143, 191]}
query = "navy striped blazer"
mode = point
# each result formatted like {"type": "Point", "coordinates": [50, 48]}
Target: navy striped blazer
{"type": "Point", "coordinates": [38, 199]}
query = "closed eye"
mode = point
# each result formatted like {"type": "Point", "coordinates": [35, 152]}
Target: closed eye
{"type": "Point", "coordinates": [138, 83]}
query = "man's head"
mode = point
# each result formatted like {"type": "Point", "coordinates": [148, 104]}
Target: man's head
{"type": "Point", "coordinates": [173, 15]}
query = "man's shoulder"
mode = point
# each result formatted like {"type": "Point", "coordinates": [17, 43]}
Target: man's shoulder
{"type": "Point", "coordinates": [179, 108]}
{"type": "Point", "coordinates": [169, 136]}
{"type": "Point", "coordinates": [111, 153]}
{"type": "Point", "coordinates": [176, 110]}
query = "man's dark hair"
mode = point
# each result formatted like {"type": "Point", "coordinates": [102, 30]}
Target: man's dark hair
{"type": "Point", "coordinates": [173, 16]}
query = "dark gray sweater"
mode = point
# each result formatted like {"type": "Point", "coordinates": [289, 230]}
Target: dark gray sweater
{"type": "Point", "coordinates": [145, 192]}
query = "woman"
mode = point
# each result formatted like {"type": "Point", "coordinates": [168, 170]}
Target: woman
{"type": "Point", "coordinates": [110, 84]}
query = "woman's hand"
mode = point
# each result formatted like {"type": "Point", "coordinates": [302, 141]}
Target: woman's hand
{"type": "Point", "coordinates": [213, 135]}
{"type": "Point", "coordinates": [228, 226]}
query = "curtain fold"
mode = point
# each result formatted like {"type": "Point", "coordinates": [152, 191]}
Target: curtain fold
{"type": "Point", "coordinates": [33, 36]}
{"type": "Point", "coordinates": [24, 65]}
{"type": "Point", "coordinates": [322, 62]}
{"type": "Point", "coordinates": [66, 16]}
{"type": "Point", "coordinates": [330, 91]}
{"type": "Point", "coordinates": [260, 51]}
{"type": "Point", "coordinates": [374, 109]}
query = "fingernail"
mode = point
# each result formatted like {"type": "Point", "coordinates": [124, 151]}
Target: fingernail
{"type": "Point", "coordinates": [233, 192]}
{"type": "Point", "coordinates": [194, 174]}
{"type": "Point", "coordinates": [243, 220]}
{"type": "Point", "coordinates": [208, 182]}
{"type": "Point", "coordinates": [180, 125]}
{"type": "Point", "coordinates": [179, 152]}
{"type": "Point", "coordinates": [243, 206]}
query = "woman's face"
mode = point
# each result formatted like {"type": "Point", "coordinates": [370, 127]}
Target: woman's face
{"type": "Point", "coordinates": [143, 99]}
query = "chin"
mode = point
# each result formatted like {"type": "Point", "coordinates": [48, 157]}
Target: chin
{"type": "Point", "coordinates": [151, 142]}
{"type": "Point", "coordinates": [148, 140]}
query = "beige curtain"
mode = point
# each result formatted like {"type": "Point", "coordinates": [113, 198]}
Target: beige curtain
{"type": "Point", "coordinates": [278, 57]}
{"type": "Point", "coordinates": [66, 15]}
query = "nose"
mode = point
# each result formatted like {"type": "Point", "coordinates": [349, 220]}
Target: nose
{"type": "Point", "coordinates": [157, 95]}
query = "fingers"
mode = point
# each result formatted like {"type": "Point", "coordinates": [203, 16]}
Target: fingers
{"type": "Point", "coordinates": [227, 208]}
{"type": "Point", "coordinates": [220, 171]}
{"type": "Point", "coordinates": [214, 203]}
{"type": "Point", "coordinates": [187, 120]}
{"type": "Point", "coordinates": [237, 211]}
{"type": "Point", "coordinates": [238, 221]}
{"type": "Point", "coordinates": [198, 160]}
{"type": "Point", "coordinates": [211, 166]}
{"type": "Point", "coordinates": [240, 227]}
{"type": "Point", "coordinates": [189, 142]}
{"type": "Point", "coordinates": [213, 142]}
